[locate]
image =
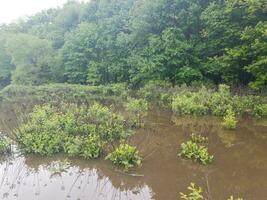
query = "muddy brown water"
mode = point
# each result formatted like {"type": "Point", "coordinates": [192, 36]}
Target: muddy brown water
{"type": "Point", "coordinates": [239, 167]}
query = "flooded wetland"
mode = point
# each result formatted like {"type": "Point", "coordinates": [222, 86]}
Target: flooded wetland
{"type": "Point", "coordinates": [239, 166]}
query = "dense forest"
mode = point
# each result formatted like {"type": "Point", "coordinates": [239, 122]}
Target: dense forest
{"type": "Point", "coordinates": [135, 41]}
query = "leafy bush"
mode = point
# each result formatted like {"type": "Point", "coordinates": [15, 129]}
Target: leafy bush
{"type": "Point", "coordinates": [203, 101]}
{"type": "Point", "coordinates": [188, 103]}
{"type": "Point", "coordinates": [75, 130]}
{"type": "Point", "coordinates": [5, 145]}
{"type": "Point", "coordinates": [153, 90]}
{"type": "Point", "coordinates": [137, 110]}
{"type": "Point", "coordinates": [196, 193]}
{"type": "Point", "coordinates": [260, 110]}
{"type": "Point", "coordinates": [91, 147]}
{"type": "Point", "coordinates": [195, 152]}
{"type": "Point", "coordinates": [125, 156]}
{"type": "Point", "coordinates": [229, 120]}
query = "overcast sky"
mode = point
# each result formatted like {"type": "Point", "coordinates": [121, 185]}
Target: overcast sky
{"type": "Point", "coordinates": [11, 10]}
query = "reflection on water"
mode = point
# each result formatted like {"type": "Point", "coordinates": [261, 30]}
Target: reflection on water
{"type": "Point", "coordinates": [239, 167]}
{"type": "Point", "coordinates": [22, 181]}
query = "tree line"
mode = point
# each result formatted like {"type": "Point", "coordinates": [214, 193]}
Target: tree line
{"type": "Point", "coordinates": [136, 41]}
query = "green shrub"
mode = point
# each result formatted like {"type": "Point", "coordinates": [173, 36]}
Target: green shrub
{"type": "Point", "coordinates": [229, 119]}
{"type": "Point", "coordinates": [125, 156]}
{"type": "Point", "coordinates": [153, 90]}
{"type": "Point", "coordinates": [75, 130]}
{"type": "Point", "coordinates": [260, 110]}
{"type": "Point", "coordinates": [188, 103]}
{"type": "Point", "coordinates": [198, 138]}
{"type": "Point", "coordinates": [137, 110]}
{"type": "Point", "coordinates": [196, 193]}
{"type": "Point", "coordinates": [195, 152]}
{"type": "Point", "coordinates": [110, 126]}
{"type": "Point", "coordinates": [91, 147]}
{"type": "Point", "coordinates": [5, 145]}
{"type": "Point", "coordinates": [219, 101]}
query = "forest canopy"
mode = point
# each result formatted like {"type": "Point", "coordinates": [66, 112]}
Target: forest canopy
{"type": "Point", "coordinates": [136, 41]}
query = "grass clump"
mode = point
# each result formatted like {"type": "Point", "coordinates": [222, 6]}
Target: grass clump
{"type": "Point", "coordinates": [5, 145]}
{"type": "Point", "coordinates": [126, 156]}
{"type": "Point", "coordinates": [196, 193]}
{"type": "Point", "coordinates": [195, 152]}
{"type": "Point", "coordinates": [229, 119]}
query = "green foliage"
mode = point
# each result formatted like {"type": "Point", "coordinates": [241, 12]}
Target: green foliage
{"type": "Point", "coordinates": [196, 193]}
{"type": "Point", "coordinates": [229, 119]}
{"type": "Point", "coordinates": [33, 58]}
{"type": "Point", "coordinates": [75, 130]}
{"type": "Point", "coordinates": [125, 156]}
{"type": "Point", "coordinates": [5, 145]}
{"type": "Point", "coordinates": [198, 138]}
{"type": "Point", "coordinates": [5, 63]}
{"type": "Point", "coordinates": [65, 92]}
{"type": "Point", "coordinates": [195, 152]}
{"type": "Point", "coordinates": [186, 102]}
{"type": "Point", "coordinates": [137, 110]}
{"type": "Point", "coordinates": [136, 41]}
{"type": "Point", "coordinates": [203, 101]}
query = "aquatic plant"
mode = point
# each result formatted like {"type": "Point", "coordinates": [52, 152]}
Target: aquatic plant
{"type": "Point", "coordinates": [5, 145]}
{"type": "Point", "coordinates": [229, 119]}
{"type": "Point", "coordinates": [196, 193]}
{"type": "Point", "coordinates": [91, 147]}
{"type": "Point", "coordinates": [189, 103]}
{"type": "Point", "coordinates": [205, 101]}
{"type": "Point", "coordinates": [196, 138]}
{"type": "Point", "coordinates": [195, 152]}
{"type": "Point", "coordinates": [137, 110]}
{"type": "Point", "coordinates": [75, 130]}
{"type": "Point", "coordinates": [125, 156]}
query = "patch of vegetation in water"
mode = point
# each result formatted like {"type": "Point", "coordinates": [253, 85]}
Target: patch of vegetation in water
{"type": "Point", "coordinates": [196, 138]}
{"type": "Point", "coordinates": [196, 193]}
{"type": "Point", "coordinates": [125, 156]}
{"type": "Point", "coordinates": [137, 109]}
{"type": "Point", "coordinates": [205, 101]}
{"type": "Point", "coordinates": [196, 152]}
{"type": "Point", "coordinates": [75, 130]}
{"type": "Point", "coordinates": [229, 121]}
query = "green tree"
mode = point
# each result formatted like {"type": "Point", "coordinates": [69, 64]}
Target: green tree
{"type": "Point", "coordinates": [33, 58]}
